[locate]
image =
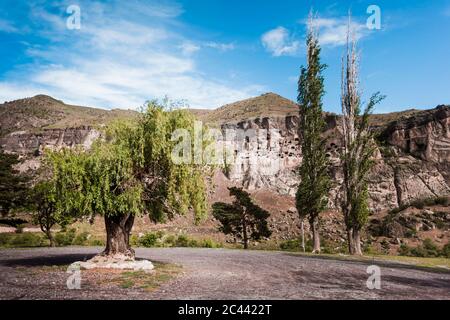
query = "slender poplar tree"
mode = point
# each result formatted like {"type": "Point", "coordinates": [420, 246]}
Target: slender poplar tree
{"type": "Point", "coordinates": [311, 198]}
{"type": "Point", "coordinates": [358, 148]}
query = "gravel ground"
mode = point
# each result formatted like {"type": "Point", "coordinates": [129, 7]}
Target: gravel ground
{"type": "Point", "coordinates": [217, 274]}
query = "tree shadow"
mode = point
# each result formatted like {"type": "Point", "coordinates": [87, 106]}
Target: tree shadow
{"type": "Point", "coordinates": [381, 263]}
{"type": "Point", "coordinates": [47, 260]}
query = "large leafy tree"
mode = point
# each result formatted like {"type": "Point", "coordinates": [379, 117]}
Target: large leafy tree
{"type": "Point", "coordinates": [128, 172]}
{"type": "Point", "coordinates": [242, 218]}
{"type": "Point", "coordinates": [311, 197]}
{"type": "Point", "coordinates": [358, 149]}
{"type": "Point", "coordinates": [13, 185]}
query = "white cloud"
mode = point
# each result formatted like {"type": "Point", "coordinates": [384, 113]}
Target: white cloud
{"type": "Point", "coordinates": [333, 32]}
{"type": "Point", "coordinates": [119, 61]}
{"type": "Point", "coordinates": [279, 42]}
{"type": "Point", "coordinates": [7, 26]}
{"type": "Point", "coordinates": [188, 48]}
{"type": "Point", "coordinates": [220, 46]}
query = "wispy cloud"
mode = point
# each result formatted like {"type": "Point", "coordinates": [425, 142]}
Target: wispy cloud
{"type": "Point", "coordinates": [7, 26]}
{"type": "Point", "coordinates": [279, 42]}
{"type": "Point", "coordinates": [118, 60]}
{"type": "Point", "coordinates": [220, 46]}
{"type": "Point", "coordinates": [333, 32]}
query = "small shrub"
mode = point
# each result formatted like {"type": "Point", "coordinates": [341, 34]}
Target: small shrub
{"type": "Point", "coordinates": [134, 240]}
{"type": "Point", "coordinates": [96, 242]}
{"type": "Point", "coordinates": [182, 241]}
{"type": "Point", "coordinates": [65, 238]}
{"type": "Point", "coordinates": [404, 250]}
{"type": "Point", "coordinates": [445, 252]}
{"type": "Point", "coordinates": [208, 243]}
{"type": "Point", "coordinates": [4, 239]}
{"type": "Point", "coordinates": [410, 233]}
{"type": "Point", "coordinates": [26, 239]}
{"type": "Point", "coordinates": [81, 239]}
{"type": "Point", "coordinates": [431, 248]}
{"type": "Point", "coordinates": [170, 241]}
{"type": "Point", "coordinates": [149, 240]}
{"type": "Point", "coordinates": [290, 245]}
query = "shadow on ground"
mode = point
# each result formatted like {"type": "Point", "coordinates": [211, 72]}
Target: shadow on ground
{"type": "Point", "coordinates": [47, 260]}
{"type": "Point", "coordinates": [367, 262]}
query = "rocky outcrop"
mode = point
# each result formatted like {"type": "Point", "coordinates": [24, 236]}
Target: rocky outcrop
{"type": "Point", "coordinates": [412, 161]}
{"type": "Point", "coordinates": [30, 146]}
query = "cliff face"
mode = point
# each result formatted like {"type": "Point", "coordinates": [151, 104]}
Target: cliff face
{"type": "Point", "coordinates": [412, 161]}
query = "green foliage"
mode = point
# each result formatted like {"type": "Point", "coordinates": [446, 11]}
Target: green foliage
{"type": "Point", "coordinates": [81, 239]}
{"type": "Point", "coordinates": [26, 239]}
{"type": "Point", "coordinates": [428, 249]}
{"type": "Point", "coordinates": [13, 186]}
{"type": "Point", "coordinates": [130, 171]}
{"type": "Point", "coordinates": [291, 245]}
{"type": "Point", "coordinates": [160, 239]}
{"type": "Point", "coordinates": [43, 207]}
{"type": "Point", "coordinates": [242, 218]}
{"type": "Point", "coordinates": [65, 238]}
{"type": "Point", "coordinates": [445, 252]}
{"type": "Point", "coordinates": [149, 240]}
{"type": "Point", "coordinates": [311, 197]}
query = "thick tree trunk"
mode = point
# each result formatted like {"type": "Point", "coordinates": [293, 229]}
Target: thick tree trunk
{"type": "Point", "coordinates": [351, 247]}
{"type": "Point", "coordinates": [357, 242]}
{"type": "Point", "coordinates": [118, 230]}
{"type": "Point", "coordinates": [316, 236]}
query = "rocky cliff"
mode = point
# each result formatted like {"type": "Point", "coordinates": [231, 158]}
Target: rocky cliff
{"type": "Point", "coordinates": [412, 162]}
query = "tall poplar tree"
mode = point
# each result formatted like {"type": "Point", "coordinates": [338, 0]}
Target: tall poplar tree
{"type": "Point", "coordinates": [358, 148]}
{"type": "Point", "coordinates": [311, 197]}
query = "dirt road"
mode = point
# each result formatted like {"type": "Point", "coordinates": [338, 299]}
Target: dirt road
{"type": "Point", "coordinates": [221, 274]}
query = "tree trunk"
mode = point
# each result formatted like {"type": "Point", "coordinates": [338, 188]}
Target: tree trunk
{"type": "Point", "coordinates": [244, 227]}
{"type": "Point", "coordinates": [50, 237]}
{"type": "Point", "coordinates": [357, 242]}
{"type": "Point", "coordinates": [118, 230]}
{"type": "Point", "coordinates": [351, 247]}
{"type": "Point", "coordinates": [316, 236]}
{"type": "Point", "coordinates": [303, 236]}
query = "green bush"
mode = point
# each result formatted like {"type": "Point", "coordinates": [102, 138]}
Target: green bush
{"type": "Point", "coordinates": [4, 239]}
{"type": "Point", "coordinates": [149, 239]}
{"type": "Point", "coordinates": [26, 239]}
{"type": "Point", "coordinates": [445, 252]}
{"type": "Point", "coordinates": [404, 250]}
{"type": "Point", "coordinates": [81, 239]}
{"type": "Point", "coordinates": [209, 243]}
{"type": "Point", "coordinates": [65, 238]}
{"type": "Point", "coordinates": [182, 241]}
{"type": "Point", "coordinates": [428, 249]}
{"type": "Point", "coordinates": [291, 245]}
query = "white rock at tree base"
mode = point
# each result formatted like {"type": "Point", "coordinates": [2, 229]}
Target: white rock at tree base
{"type": "Point", "coordinates": [100, 262]}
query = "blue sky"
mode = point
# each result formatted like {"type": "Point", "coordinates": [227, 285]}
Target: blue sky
{"type": "Point", "coordinates": [212, 52]}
